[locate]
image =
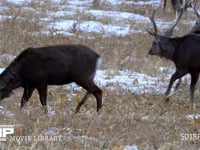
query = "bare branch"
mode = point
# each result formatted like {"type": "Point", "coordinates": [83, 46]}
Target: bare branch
{"type": "Point", "coordinates": [194, 8]}
{"type": "Point", "coordinates": [165, 3]}
{"type": "Point", "coordinates": [196, 27]}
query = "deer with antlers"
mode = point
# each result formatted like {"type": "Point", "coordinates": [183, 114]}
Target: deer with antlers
{"type": "Point", "coordinates": [183, 51]}
{"type": "Point", "coordinates": [195, 30]}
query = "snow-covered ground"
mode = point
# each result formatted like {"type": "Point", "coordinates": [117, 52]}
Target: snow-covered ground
{"type": "Point", "coordinates": [117, 25]}
{"type": "Point", "coordinates": [120, 23]}
{"type": "Point", "coordinates": [130, 81]}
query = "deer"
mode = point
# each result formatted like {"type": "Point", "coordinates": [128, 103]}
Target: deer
{"type": "Point", "coordinates": [183, 51]}
{"type": "Point", "coordinates": [36, 68]}
{"type": "Point", "coordinates": [180, 5]}
{"type": "Point", "coordinates": [195, 30]}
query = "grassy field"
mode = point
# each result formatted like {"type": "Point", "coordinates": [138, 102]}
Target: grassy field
{"type": "Point", "coordinates": [126, 118]}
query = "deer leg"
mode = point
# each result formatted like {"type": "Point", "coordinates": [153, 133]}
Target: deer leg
{"type": "Point", "coordinates": [82, 101]}
{"type": "Point", "coordinates": [178, 74]}
{"type": "Point", "coordinates": [43, 96]}
{"type": "Point", "coordinates": [26, 95]}
{"type": "Point", "coordinates": [178, 84]}
{"type": "Point", "coordinates": [98, 95]}
{"type": "Point", "coordinates": [91, 88]}
{"type": "Point", "coordinates": [194, 79]}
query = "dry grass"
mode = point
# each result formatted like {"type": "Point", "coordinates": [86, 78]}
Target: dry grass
{"type": "Point", "coordinates": [126, 118]}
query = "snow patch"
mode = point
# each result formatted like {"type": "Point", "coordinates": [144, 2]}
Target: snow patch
{"type": "Point", "coordinates": [131, 147]}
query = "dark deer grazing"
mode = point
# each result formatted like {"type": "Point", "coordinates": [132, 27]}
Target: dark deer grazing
{"type": "Point", "coordinates": [180, 5]}
{"type": "Point", "coordinates": [35, 68]}
{"type": "Point", "coordinates": [183, 51]}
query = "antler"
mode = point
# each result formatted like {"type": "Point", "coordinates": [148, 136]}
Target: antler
{"type": "Point", "coordinates": [169, 32]}
{"type": "Point", "coordinates": [153, 21]}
